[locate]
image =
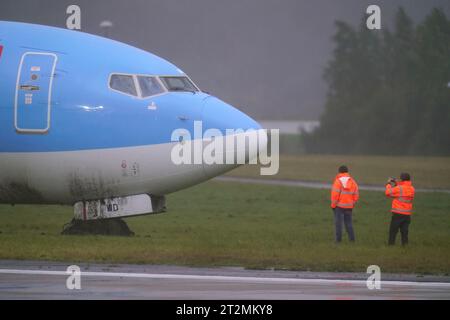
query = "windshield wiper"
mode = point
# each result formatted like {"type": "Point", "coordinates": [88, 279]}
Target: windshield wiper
{"type": "Point", "coordinates": [183, 89]}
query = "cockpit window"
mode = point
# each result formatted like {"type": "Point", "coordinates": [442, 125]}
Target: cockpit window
{"type": "Point", "coordinates": [178, 84]}
{"type": "Point", "coordinates": [123, 83]}
{"type": "Point", "coordinates": [149, 86]}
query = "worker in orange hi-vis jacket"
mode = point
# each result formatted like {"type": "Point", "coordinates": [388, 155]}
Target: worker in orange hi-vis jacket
{"type": "Point", "coordinates": [344, 195]}
{"type": "Point", "coordinates": [402, 193]}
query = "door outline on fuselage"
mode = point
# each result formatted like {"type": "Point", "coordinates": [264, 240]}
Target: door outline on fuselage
{"type": "Point", "coordinates": [50, 87]}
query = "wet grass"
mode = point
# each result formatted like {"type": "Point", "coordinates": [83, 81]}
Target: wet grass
{"type": "Point", "coordinates": [255, 226]}
{"type": "Point", "coordinates": [427, 172]}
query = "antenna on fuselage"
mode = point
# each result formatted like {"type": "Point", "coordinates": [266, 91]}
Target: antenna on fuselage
{"type": "Point", "coordinates": [106, 27]}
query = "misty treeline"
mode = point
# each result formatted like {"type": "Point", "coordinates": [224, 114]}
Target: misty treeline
{"type": "Point", "coordinates": [388, 91]}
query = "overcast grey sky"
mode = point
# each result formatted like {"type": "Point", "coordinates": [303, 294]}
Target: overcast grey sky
{"type": "Point", "coordinates": [264, 56]}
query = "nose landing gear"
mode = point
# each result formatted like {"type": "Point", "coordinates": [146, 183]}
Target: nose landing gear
{"type": "Point", "coordinates": [103, 217]}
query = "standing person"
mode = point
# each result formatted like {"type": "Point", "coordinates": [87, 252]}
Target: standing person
{"type": "Point", "coordinates": [344, 195]}
{"type": "Point", "coordinates": [402, 193]}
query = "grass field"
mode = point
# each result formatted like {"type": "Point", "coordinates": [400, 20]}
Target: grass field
{"type": "Point", "coordinates": [230, 224]}
{"type": "Point", "coordinates": [426, 172]}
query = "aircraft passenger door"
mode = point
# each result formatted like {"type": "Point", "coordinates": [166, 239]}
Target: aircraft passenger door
{"type": "Point", "coordinates": [34, 92]}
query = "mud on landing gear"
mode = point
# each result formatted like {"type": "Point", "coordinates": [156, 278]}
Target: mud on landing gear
{"type": "Point", "coordinates": [106, 227]}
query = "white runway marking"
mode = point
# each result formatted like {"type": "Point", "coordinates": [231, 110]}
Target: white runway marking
{"type": "Point", "coordinates": [224, 278]}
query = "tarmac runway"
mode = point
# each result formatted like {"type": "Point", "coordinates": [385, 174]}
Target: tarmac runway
{"type": "Point", "coordinates": [47, 280]}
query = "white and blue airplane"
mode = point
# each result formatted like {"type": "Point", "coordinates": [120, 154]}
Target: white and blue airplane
{"type": "Point", "coordinates": [87, 121]}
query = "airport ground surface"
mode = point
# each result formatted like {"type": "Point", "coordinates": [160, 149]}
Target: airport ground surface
{"type": "Point", "coordinates": [427, 172]}
{"type": "Point", "coordinates": [248, 225]}
{"type": "Point", "coordinates": [47, 280]}
{"type": "Point", "coordinates": [283, 226]}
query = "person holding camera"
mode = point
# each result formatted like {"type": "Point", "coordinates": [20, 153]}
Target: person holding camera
{"type": "Point", "coordinates": [402, 194]}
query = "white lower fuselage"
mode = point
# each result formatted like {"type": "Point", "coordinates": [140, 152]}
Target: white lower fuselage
{"type": "Point", "coordinates": [70, 176]}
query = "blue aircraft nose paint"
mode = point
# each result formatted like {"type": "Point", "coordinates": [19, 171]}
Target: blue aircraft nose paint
{"type": "Point", "coordinates": [220, 115]}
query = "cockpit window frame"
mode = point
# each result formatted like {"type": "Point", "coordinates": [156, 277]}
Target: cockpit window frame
{"type": "Point", "coordinates": [122, 92]}
{"type": "Point", "coordinates": [178, 76]}
{"type": "Point", "coordinates": [164, 89]}
{"type": "Point", "coordinates": [138, 87]}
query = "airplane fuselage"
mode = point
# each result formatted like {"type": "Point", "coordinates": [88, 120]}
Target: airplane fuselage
{"type": "Point", "coordinates": [83, 117]}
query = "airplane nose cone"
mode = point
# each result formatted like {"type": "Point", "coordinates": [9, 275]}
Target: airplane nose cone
{"type": "Point", "coordinates": [218, 115]}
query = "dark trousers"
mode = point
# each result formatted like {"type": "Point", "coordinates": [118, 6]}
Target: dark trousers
{"type": "Point", "coordinates": [345, 216]}
{"type": "Point", "coordinates": [399, 222]}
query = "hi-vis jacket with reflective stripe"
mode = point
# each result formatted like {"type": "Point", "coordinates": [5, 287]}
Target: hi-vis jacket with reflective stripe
{"type": "Point", "coordinates": [403, 194]}
{"type": "Point", "coordinates": [344, 192]}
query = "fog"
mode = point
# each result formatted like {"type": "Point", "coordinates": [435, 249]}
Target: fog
{"type": "Point", "coordinates": [266, 57]}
